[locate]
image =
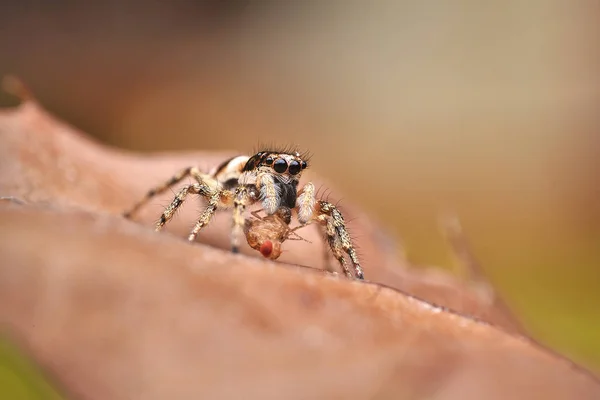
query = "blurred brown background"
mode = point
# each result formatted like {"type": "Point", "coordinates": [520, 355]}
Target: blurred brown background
{"type": "Point", "coordinates": [411, 109]}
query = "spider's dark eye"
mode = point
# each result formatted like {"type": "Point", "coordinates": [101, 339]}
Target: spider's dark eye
{"type": "Point", "coordinates": [294, 167]}
{"type": "Point", "coordinates": [250, 165]}
{"type": "Point", "coordinates": [269, 161]}
{"type": "Point", "coordinates": [280, 165]}
{"type": "Point", "coordinates": [303, 163]}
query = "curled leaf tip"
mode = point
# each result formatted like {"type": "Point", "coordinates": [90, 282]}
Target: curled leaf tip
{"type": "Point", "coordinates": [14, 85]}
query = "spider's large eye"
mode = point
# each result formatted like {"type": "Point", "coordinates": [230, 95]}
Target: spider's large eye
{"type": "Point", "coordinates": [280, 165]}
{"type": "Point", "coordinates": [294, 167]}
{"type": "Point", "coordinates": [250, 165]}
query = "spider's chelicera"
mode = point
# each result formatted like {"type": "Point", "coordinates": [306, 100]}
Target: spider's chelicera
{"type": "Point", "coordinates": [268, 177]}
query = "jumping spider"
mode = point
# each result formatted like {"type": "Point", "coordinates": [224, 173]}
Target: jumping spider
{"type": "Point", "coordinates": [270, 177]}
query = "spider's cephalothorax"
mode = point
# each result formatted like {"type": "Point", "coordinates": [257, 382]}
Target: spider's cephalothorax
{"type": "Point", "coordinates": [276, 175]}
{"type": "Point", "coordinates": [268, 177]}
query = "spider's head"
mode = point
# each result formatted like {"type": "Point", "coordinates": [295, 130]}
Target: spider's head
{"type": "Point", "coordinates": [287, 166]}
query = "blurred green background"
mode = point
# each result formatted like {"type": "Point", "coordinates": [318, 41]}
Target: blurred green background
{"type": "Point", "coordinates": [411, 108]}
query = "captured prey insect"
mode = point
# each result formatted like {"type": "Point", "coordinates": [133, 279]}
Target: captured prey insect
{"type": "Point", "coordinates": [270, 177]}
{"type": "Point", "coordinates": [267, 234]}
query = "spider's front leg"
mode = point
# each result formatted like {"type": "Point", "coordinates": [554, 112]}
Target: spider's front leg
{"type": "Point", "coordinates": [331, 218]}
{"type": "Point", "coordinates": [338, 236]}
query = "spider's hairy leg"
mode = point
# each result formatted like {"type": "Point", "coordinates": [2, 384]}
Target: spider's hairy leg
{"type": "Point", "coordinates": [335, 243]}
{"type": "Point", "coordinates": [327, 259]}
{"type": "Point", "coordinates": [175, 179]}
{"type": "Point", "coordinates": [269, 192]}
{"type": "Point", "coordinates": [240, 201]}
{"type": "Point", "coordinates": [180, 197]}
{"type": "Point", "coordinates": [215, 199]}
{"type": "Point", "coordinates": [338, 236]}
{"type": "Point", "coordinates": [306, 203]}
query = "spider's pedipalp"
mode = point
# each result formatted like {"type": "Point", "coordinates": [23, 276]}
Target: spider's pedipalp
{"type": "Point", "coordinates": [306, 203]}
{"type": "Point", "coordinates": [269, 192]}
